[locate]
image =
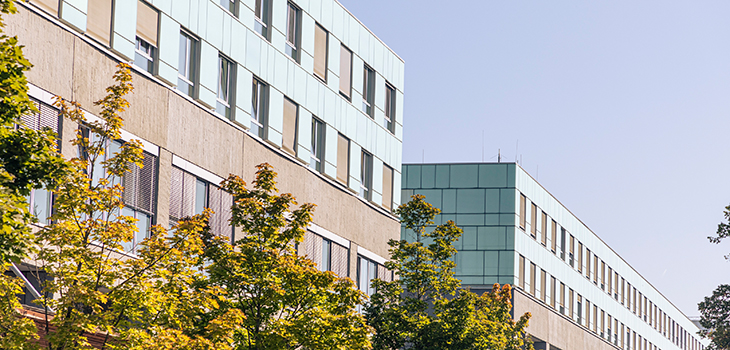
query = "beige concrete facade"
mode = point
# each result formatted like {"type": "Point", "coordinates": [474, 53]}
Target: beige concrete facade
{"type": "Point", "coordinates": [71, 65]}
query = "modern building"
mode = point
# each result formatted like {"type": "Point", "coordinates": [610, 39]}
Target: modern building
{"type": "Point", "coordinates": [581, 294]}
{"type": "Point", "coordinates": [224, 85]}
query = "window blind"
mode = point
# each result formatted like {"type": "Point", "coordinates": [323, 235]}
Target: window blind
{"type": "Point", "coordinates": [320, 52]}
{"type": "Point", "coordinates": [147, 18]}
{"type": "Point", "coordinates": [99, 20]}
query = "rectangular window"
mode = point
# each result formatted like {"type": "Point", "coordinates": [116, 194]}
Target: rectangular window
{"type": "Point", "coordinates": [50, 6]}
{"type": "Point", "coordinates": [369, 270]}
{"type": "Point", "coordinates": [317, 150]}
{"type": "Point", "coordinates": [99, 20]}
{"type": "Point", "coordinates": [226, 77]}
{"type": "Point", "coordinates": [595, 269]}
{"type": "Point", "coordinates": [366, 175]}
{"type": "Point", "coordinates": [580, 257]}
{"type": "Point", "coordinates": [552, 292]}
{"type": "Point", "coordinates": [523, 209]}
{"type": "Point", "coordinates": [186, 76]}
{"type": "Point", "coordinates": [389, 108]}
{"type": "Point", "coordinates": [603, 275]}
{"type": "Point", "coordinates": [603, 323]}
{"type": "Point", "coordinates": [571, 301]}
{"type": "Point", "coordinates": [345, 72]}
{"type": "Point", "coordinates": [553, 236]}
{"type": "Point", "coordinates": [343, 158]}
{"type": "Point", "coordinates": [562, 243]}
{"type": "Point", "coordinates": [387, 187]}
{"type": "Point", "coordinates": [139, 197]}
{"type": "Point", "coordinates": [521, 272]}
{"type": "Point", "coordinates": [533, 221]}
{"type": "Point", "coordinates": [615, 285]}
{"type": "Point", "coordinates": [561, 301]}
{"type": "Point", "coordinates": [230, 6]}
{"type": "Point", "coordinates": [579, 310]}
{"type": "Point", "coordinates": [320, 52]}
{"type": "Point", "coordinates": [610, 279]}
{"type": "Point", "coordinates": [262, 17]}
{"type": "Point", "coordinates": [588, 264]}
{"type": "Point", "coordinates": [328, 255]}
{"type": "Point", "coordinates": [289, 134]}
{"type": "Point", "coordinates": [40, 200]}
{"type": "Point", "coordinates": [293, 30]}
{"type": "Point", "coordinates": [189, 195]}
{"type": "Point", "coordinates": [533, 279]}
{"type": "Point", "coordinates": [589, 320]}
{"type": "Point", "coordinates": [595, 318]}
{"type": "Point", "coordinates": [368, 91]}
{"type": "Point", "coordinates": [259, 110]}
{"type": "Point", "coordinates": [571, 251]}
{"type": "Point", "coordinates": [543, 276]}
{"type": "Point", "coordinates": [544, 229]}
{"type": "Point", "coordinates": [146, 43]}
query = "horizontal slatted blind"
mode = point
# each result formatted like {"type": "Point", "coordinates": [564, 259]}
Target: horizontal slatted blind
{"type": "Point", "coordinates": [139, 185]}
{"type": "Point", "coordinates": [182, 194]}
{"type": "Point", "coordinates": [340, 260]}
{"type": "Point", "coordinates": [384, 274]}
{"type": "Point", "coordinates": [220, 202]}
{"type": "Point", "coordinates": [46, 117]}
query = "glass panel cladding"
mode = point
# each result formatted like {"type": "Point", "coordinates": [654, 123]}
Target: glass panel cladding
{"type": "Point", "coordinates": [345, 72]}
{"type": "Point", "coordinates": [387, 187]}
{"type": "Point", "coordinates": [343, 158]}
{"type": "Point", "coordinates": [259, 103]}
{"type": "Point", "coordinates": [289, 134]}
{"type": "Point", "coordinates": [317, 148]}
{"type": "Point", "coordinates": [320, 52]}
{"type": "Point", "coordinates": [389, 108]}
{"type": "Point", "coordinates": [99, 20]}
{"type": "Point", "coordinates": [293, 27]}
{"type": "Point", "coordinates": [366, 175]}
{"type": "Point", "coordinates": [186, 64]}
{"type": "Point", "coordinates": [262, 17]}
{"type": "Point", "coordinates": [368, 91]}
{"type": "Point", "coordinates": [225, 87]}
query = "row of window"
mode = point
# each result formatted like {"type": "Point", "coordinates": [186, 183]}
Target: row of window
{"type": "Point", "coordinates": [580, 258]}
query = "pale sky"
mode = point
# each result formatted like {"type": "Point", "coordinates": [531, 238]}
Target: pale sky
{"type": "Point", "coordinates": [620, 109]}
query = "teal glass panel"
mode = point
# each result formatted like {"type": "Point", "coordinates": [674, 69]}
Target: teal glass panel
{"type": "Point", "coordinates": [491, 280]}
{"type": "Point", "coordinates": [509, 237]}
{"type": "Point", "coordinates": [507, 200]}
{"type": "Point", "coordinates": [471, 280]}
{"type": "Point", "coordinates": [507, 219]}
{"type": "Point", "coordinates": [491, 219]}
{"type": "Point", "coordinates": [432, 196]}
{"type": "Point", "coordinates": [413, 178]}
{"type": "Point", "coordinates": [449, 201]}
{"type": "Point", "coordinates": [442, 176]}
{"type": "Point", "coordinates": [507, 263]}
{"type": "Point", "coordinates": [405, 195]}
{"type": "Point", "coordinates": [469, 238]}
{"type": "Point", "coordinates": [506, 280]}
{"type": "Point", "coordinates": [493, 175]}
{"type": "Point", "coordinates": [470, 201]}
{"type": "Point", "coordinates": [470, 263]}
{"type": "Point", "coordinates": [470, 219]}
{"type": "Point", "coordinates": [446, 217]}
{"type": "Point", "coordinates": [464, 176]}
{"type": "Point", "coordinates": [491, 238]}
{"type": "Point", "coordinates": [428, 176]}
{"type": "Point", "coordinates": [404, 176]}
{"type": "Point", "coordinates": [459, 243]}
{"type": "Point", "coordinates": [491, 263]}
{"type": "Point", "coordinates": [511, 177]}
{"type": "Point", "coordinates": [492, 200]}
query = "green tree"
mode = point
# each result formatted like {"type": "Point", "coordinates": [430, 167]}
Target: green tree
{"type": "Point", "coordinates": [715, 309]}
{"type": "Point", "coordinates": [425, 308]}
{"type": "Point", "coordinates": [284, 300]}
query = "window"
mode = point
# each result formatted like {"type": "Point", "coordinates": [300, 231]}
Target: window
{"type": "Point", "coordinates": [328, 255]}
{"type": "Point", "coordinates": [595, 269]}
{"type": "Point", "coordinates": [369, 270]}
{"type": "Point", "coordinates": [571, 251]}
{"type": "Point", "coordinates": [588, 264]}
{"type": "Point", "coordinates": [189, 195]}
{"type": "Point", "coordinates": [543, 278]}
{"type": "Point", "coordinates": [521, 272]}
{"type": "Point", "coordinates": [320, 52]}
{"type": "Point", "coordinates": [343, 158]}
{"type": "Point", "coordinates": [562, 243]}
{"type": "Point", "coordinates": [366, 175]}
{"type": "Point", "coordinates": [571, 301]}
{"type": "Point", "coordinates": [293, 28]}
{"type": "Point", "coordinates": [289, 134]}
{"type": "Point", "coordinates": [225, 87]}
{"type": "Point", "coordinates": [523, 213]}
{"type": "Point", "coordinates": [146, 45]}
{"type": "Point", "coordinates": [368, 91]}
{"type": "Point", "coordinates": [262, 17]}
{"type": "Point", "coordinates": [230, 6]}
{"type": "Point", "coordinates": [390, 108]}
{"type": "Point", "coordinates": [552, 292]}
{"type": "Point", "coordinates": [532, 278]}
{"type": "Point", "coordinates": [259, 112]}
{"type": "Point", "coordinates": [186, 76]}
{"type": "Point", "coordinates": [579, 310]}
{"type": "Point", "coordinates": [387, 187]}
{"type": "Point", "coordinates": [40, 200]}
{"type": "Point", "coordinates": [99, 20]}
{"type": "Point", "coordinates": [317, 150]}
{"type": "Point", "coordinates": [615, 285]}
{"type": "Point", "coordinates": [553, 236]}
{"type": "Point", "coordinates": [580, 257]}
{"type": "Point", "coordinates": [610, 280]}
{"type": "Point", "coordinates": [533, 221]}
{"type": "Point", "coordinates": [140, 197]}
{"type": "Point", "coordinates": [345, 72]}
{"type": "Point", "coordinates": [603, 275]}
{"type": "Point", "coordinates": [561, 301]}
{"type": "Point", "coordinates": [50, 6]}
{"type": "Point", "coordinates": [544, 229]}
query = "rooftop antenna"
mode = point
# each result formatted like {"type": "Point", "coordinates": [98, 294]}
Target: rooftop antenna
{"type": "Point", "coordinates": [499, 155]}
{"type": "Point", "coordinates": [482, 145]}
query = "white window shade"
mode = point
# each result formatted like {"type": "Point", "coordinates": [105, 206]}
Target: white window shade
{"type": "Point", "coordinates": [99, 20]}
{"type": "Point", "coordinates": [147, 18]}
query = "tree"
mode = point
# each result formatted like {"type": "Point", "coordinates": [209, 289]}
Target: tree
{"type": "Point", "coordinates": [425, 308]}
{"type": "Point", "coordinates": [715, 309]}
{"type": "Point", "coordinates": [284, 300]}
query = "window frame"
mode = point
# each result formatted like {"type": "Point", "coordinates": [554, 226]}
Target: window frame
{"type": "Point", "coordinates": [366, 175]}
{"type": "Point", "coordinates": [224, 106]}
{"type": "Point", "coordinates": [317, 27]}
{"type": "Point", "coordinates": [346, 169]}
{"type": "Point", "coordinates": [295, 142]}
{"type": "Point", "coordinates": [345, 50]}
{"type": "Point", "coordinates": [259, 108]}
{"type": "Point", "coordinates": [234, 10]}
{"type": "Point", "coordinates": [293, 32]}
{"type": "Point", "coordinates": [192, 63]}
{"type": "Point", "coordinates": [390, 101]}
{"type": "Point", "coordinates": [262, 22]}
{"type": "Point", "coordinates": [368, 91]}
{"type": "Point", "coordinates": [317, 150]}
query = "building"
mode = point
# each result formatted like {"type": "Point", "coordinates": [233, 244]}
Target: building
{"type": "Point", "coordinates": [224, 85]}
{"type": "Point", "coordinates": [582, 295]}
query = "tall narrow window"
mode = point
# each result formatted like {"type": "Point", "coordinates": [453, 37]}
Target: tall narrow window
{"type": "Point", "coordinates": [289, 137]}
{"type": "Point", "coordinates": [542, 284]}
{"type": "Point", "coordinates": [139, 197]}
{"type": "Point", "coordinates": [366, 175]}
{"type": "Point", "coordinates": [317, 150]}
{"type": "Point", "coordinates": [552, 292]}
{"type": "Point", "coordinates": [533, 220]}
{"type": "Point", "coordinates": [259, 110]}
{"type": "Point", "coordinates": [368, 90]}
{"type": "Point", "coordinates": [580, 257]}
{"type": "Point", "coordinates": [595, 269]}
{"type": "Point", "coordinates": [562, 298]}
{"type": "Point", "coordinates": [610, 280]}
{"type": "Point", "coordinates": [579, 311]}
{"type": "Point", "coordinates": [186, 76]}
{"type": "Point", "coordinates": [146, 43]}
{"type": "Point", "coordinates": [588, 264]}
{"type": "Point", "coordinates": [50, 6]}
{"type": "Point", "coordinates": [562, 243]}
{"type": "Point", "coordinates": [389, 108]}
{"type": "Point", "coordinates": [603, 275]}
{"type": "Point", "coordinates": [262, 17]}
{"type": "Point", "coordinates": [190, 195]}
{"type": "Point", "coordinates": [521, 272]}
{"type": "Point", "coordinates": [533, 278]}
{"type": "Point", "coordinates": [343, 158]}
{"type": "Point", "coordinates": [571, 251]}
{"type": "Point", "coordinates": [99, 20]}
{"type": "Point", "coordinates": [320, 52]}
{"type": "Point", "coordinates": [367, 271]}
{"type": "Point", "coordinates": [387, 187]}
{"type": "Point", "coordinates": [230, 6]}
{"type": "Point", "coordinates": [553, 236]}
{"type": "Point", "coordinates": [345, 72]}
{"type": "Point", "coordinates": [225, 87]}
{"type": "Point", "coordinates": [293, 28]}
{"type": "Point", "coordinates": [523, 214]}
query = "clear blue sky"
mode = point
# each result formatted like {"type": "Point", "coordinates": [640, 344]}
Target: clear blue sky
{"type": "Point", "coordinates": [621, 110]}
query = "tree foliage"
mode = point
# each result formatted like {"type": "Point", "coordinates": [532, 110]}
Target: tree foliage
{"type": "Point", "coordinates": [284, 300]}
{"type": "Point", "coordinates": [715, 309]}
{"type": "Point", "coordinates": [425, 307]}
